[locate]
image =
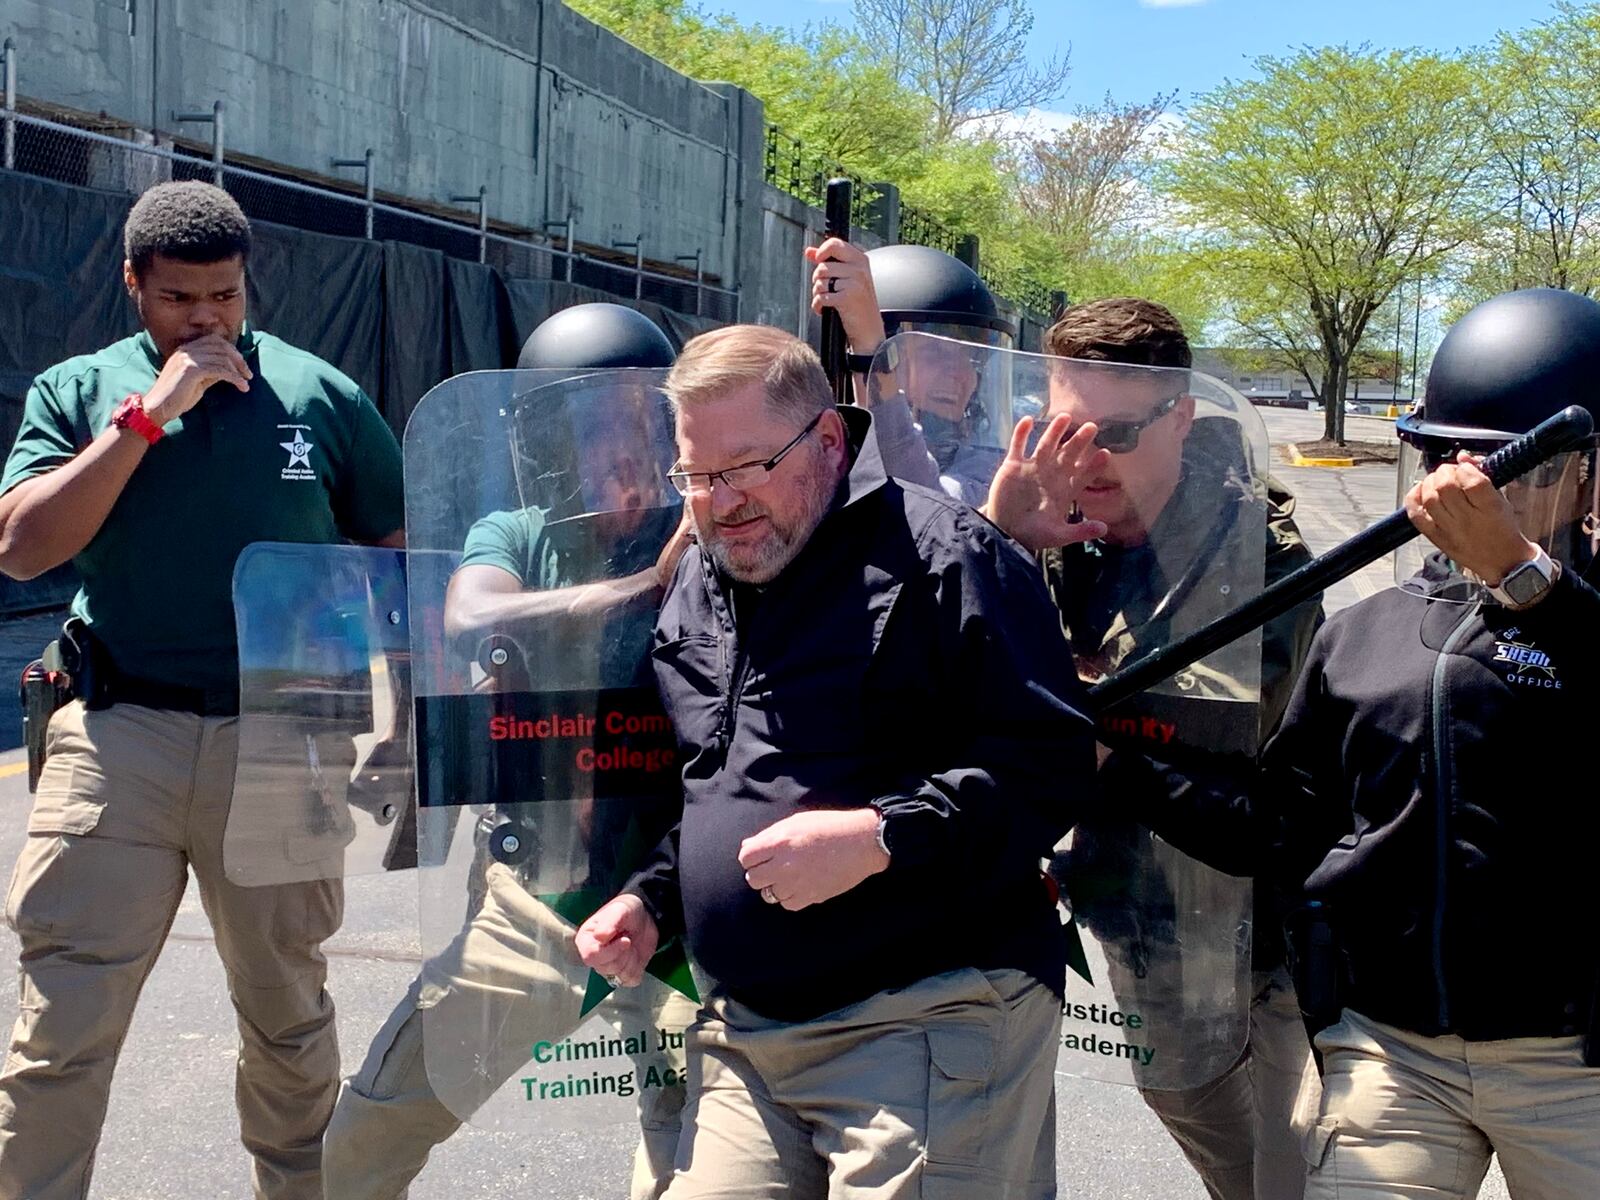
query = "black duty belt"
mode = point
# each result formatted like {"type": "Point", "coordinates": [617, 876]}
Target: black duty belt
{"type": "Point", "coordinates": [98, 682]}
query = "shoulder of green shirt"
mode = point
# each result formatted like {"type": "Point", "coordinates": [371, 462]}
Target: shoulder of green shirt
{"type": "Point", "coordinates": [64, 376]}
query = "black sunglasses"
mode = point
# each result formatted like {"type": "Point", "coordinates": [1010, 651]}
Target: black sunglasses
{"type": "Point", "coordinates": [1122, 437]}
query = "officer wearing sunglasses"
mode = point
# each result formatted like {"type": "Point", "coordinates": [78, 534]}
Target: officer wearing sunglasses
{"type": "Point", "coordinates": [1124, 382]}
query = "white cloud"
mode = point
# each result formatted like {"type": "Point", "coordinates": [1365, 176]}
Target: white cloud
{"type": "Point", "coordinates": [1172, 3]}
{"type": "Point", "coordinates": [1032, 123]}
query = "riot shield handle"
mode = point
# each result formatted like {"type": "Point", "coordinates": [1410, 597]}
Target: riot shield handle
{"type": "Point", "coordinates": [1550, 437]}
{"type": "Point", "coordinates": [836, 224]}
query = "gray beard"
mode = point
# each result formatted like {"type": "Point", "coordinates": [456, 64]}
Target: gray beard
{"type": "Point", "coordinates": [779, 551]}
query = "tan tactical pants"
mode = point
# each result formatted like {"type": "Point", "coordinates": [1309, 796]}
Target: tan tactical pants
{"type": "Point", "coordinates": [510, 979]}
{"type": "Point", "coordinates": [1407, 1115]}
{"type": "Point", "coordinates": [129, 800]}
{"type": "Point", "coordinates": [944, 1090]}
{"type": "Point", "coordinates": [1237, 1131]}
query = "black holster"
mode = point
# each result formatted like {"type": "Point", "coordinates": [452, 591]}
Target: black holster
{"type": "Point", "coordinates": [1317, 965]}
{"type": "Point", "coordinates": [50, 682]}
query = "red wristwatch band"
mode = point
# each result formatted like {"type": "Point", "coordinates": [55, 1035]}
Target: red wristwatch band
{"type": "Point", "coordinates": [130, 414]}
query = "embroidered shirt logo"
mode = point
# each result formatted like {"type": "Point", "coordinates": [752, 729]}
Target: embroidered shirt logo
{"type": "Point", "coordinates": [299, 453]}
{"type": "Point", "coordinates": [1532, 666]}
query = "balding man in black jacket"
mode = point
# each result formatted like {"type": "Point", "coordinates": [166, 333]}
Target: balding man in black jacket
{"type": "Point", "coordinates": [877, 752]}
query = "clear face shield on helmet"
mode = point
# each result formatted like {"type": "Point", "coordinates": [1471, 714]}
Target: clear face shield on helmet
{"type": "Point", "coordinates": [1557, 505]}
{"type": "Point", "coordinates": [958, 401]}
{"type": "Point", "coordinates": [592, 445]}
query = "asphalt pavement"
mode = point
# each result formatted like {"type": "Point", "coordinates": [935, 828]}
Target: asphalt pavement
{"type": "Point", "coordinates": [171, 1134]}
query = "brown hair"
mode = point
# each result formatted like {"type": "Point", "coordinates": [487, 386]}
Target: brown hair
{"type": "Point", "coordinates": [1122, 329]}
{"type": "Point", "coordinates": [717, 362]}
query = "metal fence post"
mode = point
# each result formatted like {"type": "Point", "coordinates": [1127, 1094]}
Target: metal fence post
{"type": "Point", "coordinates": [216, 143]}
{"type": "Point", "coordinates": [365, 163]}
{"type": "Point", "coordinates": [483, 223]}
{"type": "Point", "coordinates": [214, 118]}
{"type": "Point", "coordinates": [482, 201]}
{"type": "Point", "coordinates": [699, 275]}
{"type": "Point", "coordinates": [637, 246]}
{"type": "Point", "coordinates": [10, 51]}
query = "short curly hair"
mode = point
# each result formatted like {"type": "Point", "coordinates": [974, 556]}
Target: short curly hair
{"type": "Point", "coordinates": [190, 221]}
{"type": "Point", "coordinates": [1122, 329]}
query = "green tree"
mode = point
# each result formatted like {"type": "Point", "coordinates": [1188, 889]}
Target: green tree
{"type": "Point", "coordinates": [823, 86]}
{"type": "Point", "coordinates": [1541, 110]}
{"type": "Point", "coordinates": [1319, 186]}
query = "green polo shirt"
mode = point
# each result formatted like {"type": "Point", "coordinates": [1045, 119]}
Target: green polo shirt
{"type": "Point", "coordinates": [515, 542]}
{"type": "Point", "coordinates": [303, 456]}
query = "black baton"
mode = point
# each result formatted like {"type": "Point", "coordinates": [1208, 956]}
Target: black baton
{"type": "Point", "coordinates": [836, 224]}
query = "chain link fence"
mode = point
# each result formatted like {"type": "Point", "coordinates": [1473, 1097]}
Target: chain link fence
{"type": "Point", "coordinates": [116, 158]}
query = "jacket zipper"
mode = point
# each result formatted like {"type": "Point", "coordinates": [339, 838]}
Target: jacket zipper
{"type": "Point", "coordinates": [1444, 791]}
{"type": "Point", "coordinates": [735, 680]}
{"type": "Point", "coordinates": [730, 699]}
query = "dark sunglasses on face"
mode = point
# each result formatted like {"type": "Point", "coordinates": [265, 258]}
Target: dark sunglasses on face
{"type": "Point", "coordinates": [1122, 437]}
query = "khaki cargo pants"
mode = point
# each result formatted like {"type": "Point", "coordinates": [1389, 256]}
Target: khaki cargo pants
{"type": "Point", "coordinates": [129, 800]}
{"type": "Point", "coordinates": [1408, 1115]}
{"type": "Point", "coordinates": [944, 1090]}
{"type": "Point", "coordinates": [509, 979]}
{"type": "Point", "coordinates": [1238, 1130]}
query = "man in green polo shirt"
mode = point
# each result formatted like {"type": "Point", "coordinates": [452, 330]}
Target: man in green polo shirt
{"type": "Point", "coordinates": [150, 465]}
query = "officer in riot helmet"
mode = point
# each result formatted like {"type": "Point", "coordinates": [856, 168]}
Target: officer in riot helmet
{"type": "Point", "coordinates": [948, 428]}
{"type": "Point", "coordinates": [1510, 364]}
{"type": "Point", "coordinates": [589, 496]}
{"type": "Point", "coordinates": [509, 572]}
{"type": "Point", "coordinates": [1443, 953]}
{"type": "Point", "coordinates": [595, 337]}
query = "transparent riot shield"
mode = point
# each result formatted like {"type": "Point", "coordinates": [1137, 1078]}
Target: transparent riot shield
{"type": "Point", "coordinates": [942, 409]}
{"type": "Point", "coordinates": [538, 518]}
{"type": "Point", "coordinates": [323, 786]}
{"type": "Point", "coordinates": [1158, 988]}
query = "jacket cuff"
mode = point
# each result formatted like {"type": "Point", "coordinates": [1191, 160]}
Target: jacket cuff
{"type": "Point", "coordinates": [915, 834]}
{"type": "Point", "coordinates": [664, 910]}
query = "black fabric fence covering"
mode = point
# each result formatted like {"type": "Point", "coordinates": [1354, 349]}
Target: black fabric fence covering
{"type": "Point", "coordinates": [395, 317]}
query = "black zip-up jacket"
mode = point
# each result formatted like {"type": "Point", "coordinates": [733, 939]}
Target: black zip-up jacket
{"type": "Point", "coordinates": [1429, 788]}
{"type": "Point", "coordinates": [906, 660]}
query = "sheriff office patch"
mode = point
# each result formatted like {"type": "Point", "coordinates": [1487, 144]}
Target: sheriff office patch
{"type": "Point", "coordinates": [1531, 667]}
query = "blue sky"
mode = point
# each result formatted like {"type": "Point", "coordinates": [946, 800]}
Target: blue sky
{"type": "Point", "coordinates": [1137, 48]}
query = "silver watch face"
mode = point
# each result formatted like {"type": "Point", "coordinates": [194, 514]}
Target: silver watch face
{"type": "Point", "coordinates": [1525, 585]}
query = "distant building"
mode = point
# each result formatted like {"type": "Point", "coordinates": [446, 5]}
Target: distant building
{"type": "Point", "coordinates": [1270, 380]}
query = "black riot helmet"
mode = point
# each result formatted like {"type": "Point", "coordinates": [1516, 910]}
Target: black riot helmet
{"type": "Point", "coordinates": [1507, 365]}
{"type": "Point", "coordinates": [592, 337]}
{"type": "Point", "coordinates": [928, 291]}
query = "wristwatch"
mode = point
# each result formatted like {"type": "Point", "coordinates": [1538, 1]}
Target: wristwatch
{"type": "Point", "coordinates": [883, 838]}
{"type": "Point", "coordinates": [1527, 584]}
{"type": "Point", "coordinates": [130, 414]}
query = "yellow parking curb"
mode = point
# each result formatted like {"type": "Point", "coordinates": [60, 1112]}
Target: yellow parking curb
{"type": "Point", "coordinates": [1301, 460]}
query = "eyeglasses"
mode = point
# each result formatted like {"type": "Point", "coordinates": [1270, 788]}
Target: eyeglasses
{"type": "Point", "coordinates": [743, 478]}
{"type": "Point", "coordinates": [1122, 437]}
